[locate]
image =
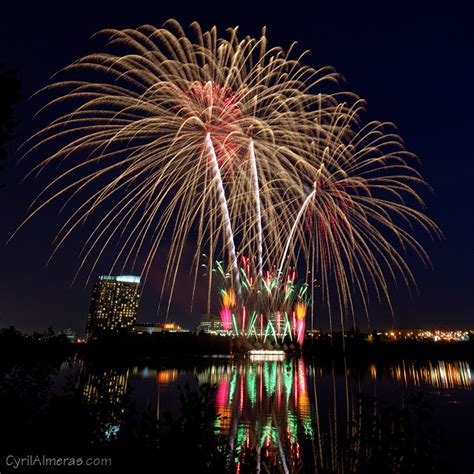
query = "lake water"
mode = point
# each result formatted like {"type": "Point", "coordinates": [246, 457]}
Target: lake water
{"type": "Point", "coordinates": [295, 414]}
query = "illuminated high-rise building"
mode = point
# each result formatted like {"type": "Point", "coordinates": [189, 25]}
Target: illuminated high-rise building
{"type": "Point", "coordinates": [114, 305]}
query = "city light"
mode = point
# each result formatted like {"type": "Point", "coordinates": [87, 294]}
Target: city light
{"type": "Point", "coordinates": [436, 335]}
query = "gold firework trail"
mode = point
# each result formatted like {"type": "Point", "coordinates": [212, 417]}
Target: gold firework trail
{"type": "Point", "coordinates": [237, 144]}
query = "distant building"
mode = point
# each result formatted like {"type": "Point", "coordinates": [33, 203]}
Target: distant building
{"type": "Point", "coordinates": [151, 328]}
{"type": "Point", "coordinates": [69, 333]}
{"type": "Point", "coordinates": [313, 333]}
{"type": "Point", "coordinates": [147, 328]}
{"type": "Point", "coordinates": [173, 327]}
{"type": "Point", "coordinates": [210, 324]}
{"type": "Point", "coordinates": [114, 305]}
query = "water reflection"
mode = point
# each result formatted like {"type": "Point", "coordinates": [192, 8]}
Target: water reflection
{"type": "Point", "coordinates": [163, 376]}
{"type": "Point", "coordinates": [167, 377]}
{"type": "Point", "coordinates": [262, 405]}
{"type": "Point", "coordinates": [445, 375]}
{"type": "Point", "coordinates": [282, 415]}
{"type": "Point", "coordinates": [272, 409]}
{"type": "Point", "coordinates": [105, 390]}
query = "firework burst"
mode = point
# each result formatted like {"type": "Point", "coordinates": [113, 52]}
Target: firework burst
{"type": "Point", "coordinates": [269, 308]}
{"type": "Point", "coordinates": [239, 145]}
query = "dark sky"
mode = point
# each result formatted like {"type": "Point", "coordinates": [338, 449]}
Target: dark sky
{"type": "Point", "coordinates": [411, 62]}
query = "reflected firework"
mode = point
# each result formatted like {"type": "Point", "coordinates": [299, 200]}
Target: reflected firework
{"type": "Point", "coordinates": [243, 147]}
{"type": "Point", "coordinates": [262, 409]}
{"type": "Point", "coordinates": [287, 416]}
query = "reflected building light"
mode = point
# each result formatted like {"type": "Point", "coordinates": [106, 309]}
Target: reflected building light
{"type": "Point", "coordinates": [373, 371]}
{"type": "Point", "coordinates": [105, 393]}
{"type": "Point", "coordinates": [446, 375]}
{"type": "Point", "coordinates": [165, 377]}
{"type": "Point", "coordinates": [211, 375]}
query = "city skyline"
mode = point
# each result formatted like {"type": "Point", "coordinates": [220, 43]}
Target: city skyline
{"type": "Point", "coordinates": [445, 294]}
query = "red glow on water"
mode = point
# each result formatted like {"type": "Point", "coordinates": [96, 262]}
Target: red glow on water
{"type": "Point", "coordinates": [279, 387]}
{"type": "Point", "coordinates": [222, 396]}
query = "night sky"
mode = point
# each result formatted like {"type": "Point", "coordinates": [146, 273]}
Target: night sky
{"type": "Point", "coordinates": [413, 65]}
